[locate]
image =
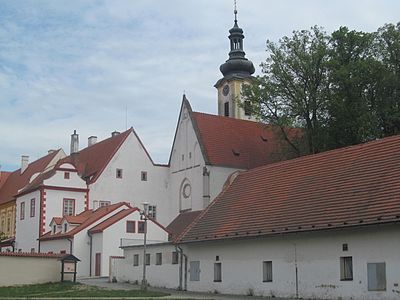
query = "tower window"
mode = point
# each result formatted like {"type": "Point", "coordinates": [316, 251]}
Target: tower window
{"type": "Point", "coordinates": [118, 173]}
{"type": "Point", "coordinates": [226, 109]}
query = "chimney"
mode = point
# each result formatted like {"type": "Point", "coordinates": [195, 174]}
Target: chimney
{"type": "Point", "coordinates": [114, 133]}
{"type": "Point", "coordinates": [24, 163]}
{"type": "Point", "coordinates": [74, 142]}
{"type": "Point", "coordinates": [92, 140]}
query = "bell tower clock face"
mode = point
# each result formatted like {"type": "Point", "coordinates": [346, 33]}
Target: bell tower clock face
{"type": "Point", "coordinates": [225, 90]}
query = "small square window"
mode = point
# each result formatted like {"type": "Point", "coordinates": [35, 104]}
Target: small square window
{"type": "Point", "coordinates": [345, 247]}
{"type": "Point", "coordinates": [217, 272]}
{"type": "Point", "coordinates": [136, 260]}
{"type": "Point", "coordinates": [267, 271]}
{"type": "Point", "coordinates": [141, 226]}
{"type": "Point", "coordinates": [130, 226]}
{"type": "Point", "coordinates": [143, 176]}
{"type": "Point", "coordinates": [152, 212]}
{"type": "Point", "coordinates": [158, 259]}
{"type": "Point", "coordinates": [175, 258]}
{"type": "Point", "coordinates": [147, 259]}
{"type": "Point", "coordinates": [118, 173]}
{"type": "Point", "coordinates": [346, 268]}
{"type": "Point", "coordinates": [66, 175]}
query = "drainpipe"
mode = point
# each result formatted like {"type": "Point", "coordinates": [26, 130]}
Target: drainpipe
{"type": "Point", "coordinates": [90, 253]}
{"type": "Point", "coordinates": [70, 246]}
{"type": "Point", "coordinates": [182, 255]}
{"type": "Point", "coordinates": [297, 273]}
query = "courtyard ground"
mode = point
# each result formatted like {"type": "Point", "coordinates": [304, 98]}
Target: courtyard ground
{"type": "Point", "coordinates": [174, 294]}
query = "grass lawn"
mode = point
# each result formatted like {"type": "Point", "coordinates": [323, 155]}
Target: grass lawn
{"type": "Point", "coordinates": [69, 290]}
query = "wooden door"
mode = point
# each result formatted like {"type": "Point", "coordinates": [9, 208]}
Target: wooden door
{"type": "Point", "coordinates": [97, 269]}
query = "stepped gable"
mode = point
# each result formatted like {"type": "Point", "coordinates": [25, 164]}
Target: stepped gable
{"type": "Point", "coordinates": [91, 161]}
{"type": "Point", "coordinates": [17, 181]}
{"type": "Point", "coordinates": [181, 222]}
{"type": "Point", "coordinates": [348, 187]}
{"type": "Point", "coordinates": [241, 144]}
{"type": "Point", "coordinates": [84, 219]}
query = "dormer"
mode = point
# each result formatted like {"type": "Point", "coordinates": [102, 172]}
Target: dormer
{"type": "Point", "coordinates": [55, 225]}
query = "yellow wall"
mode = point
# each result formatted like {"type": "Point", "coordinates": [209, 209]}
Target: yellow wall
{"type": "Point", "coordinates": [7, 218]}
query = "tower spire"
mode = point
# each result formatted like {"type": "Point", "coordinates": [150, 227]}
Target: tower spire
{"type": "Point", "coordinates": [235, 12]}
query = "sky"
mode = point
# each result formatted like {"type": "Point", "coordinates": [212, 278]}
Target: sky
{"type": "Point", "coordinates": [99, 66]}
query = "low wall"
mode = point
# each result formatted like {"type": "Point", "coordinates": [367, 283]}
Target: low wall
{"type": "Point", "coordinates": [29, 268]}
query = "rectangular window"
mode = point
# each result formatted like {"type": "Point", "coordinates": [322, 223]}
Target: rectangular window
{"type": "Point", "coordinates": [175, 258]}
{"type": "Point", "coordinates": [66, 175]}
{"type": "Point", "coordinates": [267, 271]}
{"type": "Point", "coordinates": [131, 226]}
{"type": "Point", "coordinates": [69, 207]}
{"type": "Point", "coordinates": [226, 109]}
{"type": "Point", "coordinates": [22, 212]}
{"type": "Point", "coordinates": [217, 272]}
{"type": "Point", "coordinates": [32, 213]}
{"type": "Point", "coordinates": [136, 260]}
{"type": "Point", "coordinates": [153, 212]}
{"type": "Point", "coordinates": [63, 252]}
{"type": "Point", "coordinates": [143, 176]}
{"type": "Point", "coordinates": [247, 108]}
{"type": "Point", "coordinates": [147, 259]}
{"type": "Point", "coordinates": [8, 225]}
{"type": "Point", "coordinates": [158, 259]}
{"type": "Point", "coordinates": [104, 203]}
{"type": "Point", "coordinates": [118, 173]}
{"type": "Point", "coordinates": [141, 226]}
{"type": "Point", "coordinates": [54, 228]}
{"type": "Point", "coordinates": [346, 268]}
{"type": "Point", "coordinates": [376, 276]}
{"type": "Point", "coordinates": [65, 227]}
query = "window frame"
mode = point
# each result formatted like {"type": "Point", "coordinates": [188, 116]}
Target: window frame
{"type": "Point", "coordinates": [67, 175]}
{"type": "Point", "coordinates": [383, 282]}
{"type": "Point", "coordinates": [175, 258]}
{"type": "Point", "coordinates": [143, 176]}
{"type": "Point", "coordinates": [267, 271]}
{"type": "Point", "coordinates": [139, 224]}
{"type": "Point", "coordinates": [135, 260]}
{"type": "Point", "coordinates": [131, 223]}
{"type": "Point", "coordinates": [65, 201]}
{"type": "Point", "coordinates": [158, 258]}
{"type": "Point", "coordinates": [344, 263]}
{"type": "Point", "coordinates": [22, 211]}
{"type": "Point", "coordinates": [148, 259]}
{"type": "Point", "coordinates": [118, 173]}
{"type": "Point", "coordinates": [32, 207]}
{"type": "Point", "coordinates": [218, 272]}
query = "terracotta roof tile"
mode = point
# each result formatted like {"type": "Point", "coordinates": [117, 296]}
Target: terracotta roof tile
{"type": "Point", "coordinates": [91, 161]}
{"type": "Point", "coordinates": [181, 222]}
{"type": "Point", "coordinates": [90, 217]}
{"type": "Point", "coordinates": [3, 177]}
{"type": "Point", "coordinates": [112, 220]}
{"type": "Point", "coordinates": [239, 143]}
{"type": "Point", "coordinates": [17, 181]}
{"type": "Point", "coordinates": [352, 186]}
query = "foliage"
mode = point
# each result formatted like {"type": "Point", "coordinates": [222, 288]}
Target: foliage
{"type": "Point", "coordinates": [341, 89]}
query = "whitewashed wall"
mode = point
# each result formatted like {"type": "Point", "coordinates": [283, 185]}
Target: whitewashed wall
{"type": "Point", "coordinates": [318, 261]}
{"type": "Point", "coordinates": [165, 275]}
{"type": "Point", "coordinates": [55, 246]}
{"type": "Point", "coordinates": [132, 159]}
{"type": "Point", "coordinates": [27, 230]}
{"type": "Point", "coordinates": [112, 236]}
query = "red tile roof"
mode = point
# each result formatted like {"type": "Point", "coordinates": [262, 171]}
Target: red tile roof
{"type": "Point", "coordinates": [17, 181]}
{"type": "Point", "coordinates": [347, 187]}
{"type": "Point", "coordinates": [57, 220]}
{"type": "Point", "coordinates": [112, 220]}
{"type": "Point", "coordinates": [90, 217]}
{"type": "Point", "coordinates": [240, 144]}
{"type": "Point", "coordinates": [181, 222]}
{"type": "Point", "coordinates": [91, 161]}
{"type": "Point", "coordinates": [3, 177]}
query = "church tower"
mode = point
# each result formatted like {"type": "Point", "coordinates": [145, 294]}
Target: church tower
{"type": "Point", "coordinates": [237, 70]}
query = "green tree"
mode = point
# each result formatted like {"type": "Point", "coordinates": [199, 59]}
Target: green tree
{"type": "Point", "coordinates": [387, 106]}
{"type": "Point", "coordinates": [294, 89]}
{"type": "Point", "coordinates": [353, 77]}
